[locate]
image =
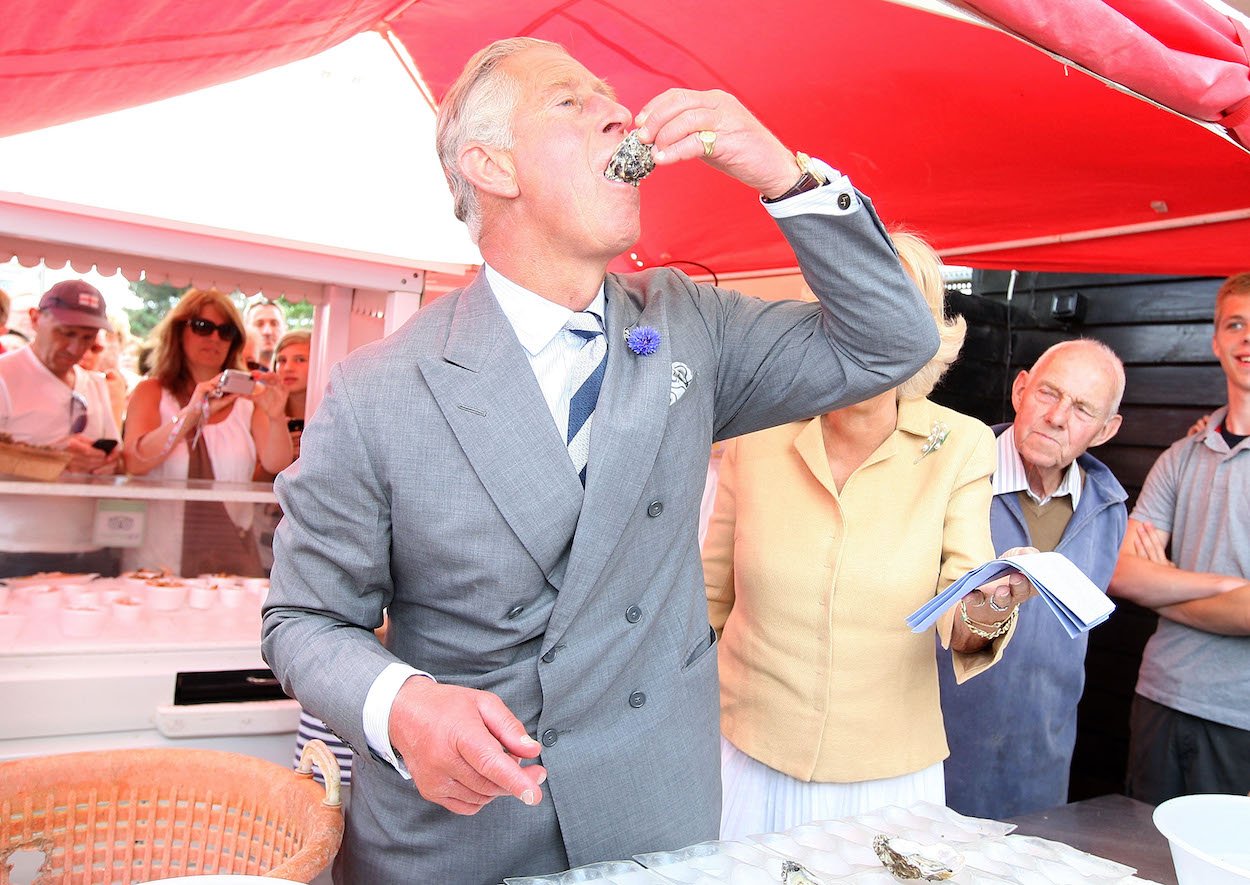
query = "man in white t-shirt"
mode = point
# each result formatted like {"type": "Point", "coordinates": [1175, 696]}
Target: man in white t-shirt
{"type": "Point", "coordinates": [47, 399]}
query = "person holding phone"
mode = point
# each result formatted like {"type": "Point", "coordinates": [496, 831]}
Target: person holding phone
{"type": "Point", "coordinates": [183, 424]}
{"type": "Point", "coordinates": [290, 365]}
{"type": "Point", "coordinates": [47, 399]}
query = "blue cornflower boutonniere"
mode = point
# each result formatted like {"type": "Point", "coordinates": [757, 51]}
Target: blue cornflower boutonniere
{"type": "Point", "coordinates": [934, 440]}
{"type": "Point", "coordinates": [642, 340]}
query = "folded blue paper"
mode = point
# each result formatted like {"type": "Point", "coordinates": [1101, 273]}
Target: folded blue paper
{"type": "Point", "coordinates": [1075, 599]}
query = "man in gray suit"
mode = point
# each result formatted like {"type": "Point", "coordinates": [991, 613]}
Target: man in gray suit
{"type": "Point", "coordinates": [546, 597]}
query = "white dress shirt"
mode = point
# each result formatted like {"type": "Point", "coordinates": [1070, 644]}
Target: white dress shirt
{"type": "Point", "coordinates": [1010, 476]}
{"type": "Point", "coordinates": [537, 323]}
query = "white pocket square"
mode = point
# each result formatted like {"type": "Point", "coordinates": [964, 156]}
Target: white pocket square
{"type": "Point", "coordinates": [682, 376]}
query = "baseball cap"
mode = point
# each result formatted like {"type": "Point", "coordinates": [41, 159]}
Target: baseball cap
{"type": "Point", "coordinates": [75, 303]}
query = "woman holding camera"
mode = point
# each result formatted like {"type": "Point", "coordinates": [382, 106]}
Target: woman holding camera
{"type": "Point", "coordinates": [189, 421]}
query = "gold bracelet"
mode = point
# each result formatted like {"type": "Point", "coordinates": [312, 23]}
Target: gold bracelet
{"type": "Point", "coordinates": [996, 630]}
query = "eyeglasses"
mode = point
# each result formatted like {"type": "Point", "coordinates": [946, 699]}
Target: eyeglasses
{"type": "Point", "coordinates": [77, 413]}
{"type": "Point", "coordinates": [203, 328]}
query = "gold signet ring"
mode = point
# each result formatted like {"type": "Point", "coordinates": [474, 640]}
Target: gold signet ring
{"type": "Point", "coordinates": [708, 137]}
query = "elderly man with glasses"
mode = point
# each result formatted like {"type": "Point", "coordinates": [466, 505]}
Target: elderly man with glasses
{"type": "Point", "coordinates": [47, 399]}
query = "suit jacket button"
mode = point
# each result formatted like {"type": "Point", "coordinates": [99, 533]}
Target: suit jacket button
{"type": "Point", "coordinates": [550, 736]}
{"type": "Point", "coordinates": [549, 656]}
{"type": "Point", "coordinates": [637, 699]}
{"type": "Point", "coordinates": [514, 611]}
{"type": "Point", "coordinates": [633, 614]}
{"type": "Point", "coordinates": [654, 509]}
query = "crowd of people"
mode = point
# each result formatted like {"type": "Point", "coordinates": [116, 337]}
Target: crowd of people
{"type": "Point", "coordinates": [518, 475]}
{"type": "Point", "coordinates": [69, 384]}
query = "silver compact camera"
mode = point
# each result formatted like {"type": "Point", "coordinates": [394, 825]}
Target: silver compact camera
{"type": "Point", "coordinates": [234, 381]}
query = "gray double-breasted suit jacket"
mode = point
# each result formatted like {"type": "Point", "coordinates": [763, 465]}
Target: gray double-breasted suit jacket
{"type": "Point", "coordinates": [433, 484]}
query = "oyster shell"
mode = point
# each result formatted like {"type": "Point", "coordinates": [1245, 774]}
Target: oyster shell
{"type": "Point", "coordinates": [631, 162]}
{"type": "Point", "coordinates": [794, 874]}
{"type": "Point", "coordinates": [907, 860]}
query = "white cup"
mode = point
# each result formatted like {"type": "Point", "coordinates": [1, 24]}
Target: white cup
{"type": "Point", "coordinates": [11, 624]}
{"type": "Point", "coordinates": [166, 597]}
{"type": "Point", "coordinates": [232, 595]}
{"type": "Point", "coordinates": [201, 595]}
{"type": "Point", "coordinates": [127, 609]}
{"type": "Point", "coordinates": [42, 597]}
{"type": "Point", "coordinates": [83, 621]}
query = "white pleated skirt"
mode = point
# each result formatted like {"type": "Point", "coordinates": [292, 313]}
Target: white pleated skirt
{"type": "Point", "coordinates": [759, 799]}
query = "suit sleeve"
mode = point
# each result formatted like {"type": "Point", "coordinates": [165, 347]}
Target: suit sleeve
{"type": "Point", "coordinates": [718, 546]}
{"type": "Point", "coordinates": [331, 576]}
{"type": "Point", "coordinates": [786, 361]}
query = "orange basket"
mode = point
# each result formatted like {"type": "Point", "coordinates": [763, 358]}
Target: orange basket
{"type": "Point", "coordinates": [131, 816]}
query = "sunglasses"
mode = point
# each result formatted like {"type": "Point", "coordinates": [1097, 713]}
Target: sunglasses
{"type": "Point", "coordinates": [77, 413]}
{"type": "Point", "coordinates": [203, 328]}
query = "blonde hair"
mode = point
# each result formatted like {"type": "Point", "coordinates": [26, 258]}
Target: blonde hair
{"type": "Point", "coordinates": [295, 336]}
{"type": "Point", "coordinates": [925, 268]}
{"type": "Point", "coordinates": [478, 107]}
{"type": "Point", "coordinates": [169, 362]}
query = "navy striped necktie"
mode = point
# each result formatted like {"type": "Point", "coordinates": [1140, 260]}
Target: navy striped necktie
{"type": "Point", "coordinates": [585, 379]}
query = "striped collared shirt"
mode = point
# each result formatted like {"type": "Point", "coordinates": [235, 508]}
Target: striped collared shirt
{"type": "Point", "coordinates": [538, 324]}
{"type": "Point", "coordinates": [1010, 476]}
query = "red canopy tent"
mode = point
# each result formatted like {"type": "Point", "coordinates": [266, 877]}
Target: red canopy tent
{"type": "Point", "coordinates": [1000, 155]}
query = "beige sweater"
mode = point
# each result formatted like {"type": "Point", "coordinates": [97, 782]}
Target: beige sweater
{"type": "Point", "coordinates": [820, 676]}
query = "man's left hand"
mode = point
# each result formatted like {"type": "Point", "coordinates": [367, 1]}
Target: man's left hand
{"type": "Point", "coordinates": [743, 148]}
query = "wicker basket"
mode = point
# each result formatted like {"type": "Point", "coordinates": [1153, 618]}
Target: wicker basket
{"type": "Point", "coordinates": [29, 462]}
{"type": "Point", "coordinates": [130, 816]}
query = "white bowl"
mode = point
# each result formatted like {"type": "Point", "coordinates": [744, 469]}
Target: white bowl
{"type": "Point", "coordinates": [165, 598]}
{"type": "Point", "coordinates": [79, 596]}
{"type": "Point", "coordinates": [1209, 836]}
{"type": "Point", "coordinates": [42, 597]}
{"type": "Point", "coordinates": [11, 624]}
{"type": "Point", "coordinates": [82, 622]}
{"type": "Point", "coordinates": [127, 609]}
{"type": "Point", "coordinates": [201, 596]}
{"type": "Point", "coordinates": [232, 595]}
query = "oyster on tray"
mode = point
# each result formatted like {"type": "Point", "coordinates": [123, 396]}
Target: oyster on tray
{"type": "Point", "coordinates": [907, 860]}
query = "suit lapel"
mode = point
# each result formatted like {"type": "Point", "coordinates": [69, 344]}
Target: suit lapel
{"type": "Point", "coordinates": [486, 389]}
{"type": "Point", "coordinates": [630, 419]}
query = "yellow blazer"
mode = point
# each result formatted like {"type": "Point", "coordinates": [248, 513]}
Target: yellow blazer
{"type": "Point", "coordinates": [820, 676]}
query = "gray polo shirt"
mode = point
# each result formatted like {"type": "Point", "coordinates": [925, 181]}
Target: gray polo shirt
{"type": "Point", "coordinates": [1199, 490]}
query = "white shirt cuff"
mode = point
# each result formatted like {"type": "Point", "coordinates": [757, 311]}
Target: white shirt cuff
{"type": "Point", "coordinates": [377, 712]}
{"type": "Point", "coordinates": [837, 197]}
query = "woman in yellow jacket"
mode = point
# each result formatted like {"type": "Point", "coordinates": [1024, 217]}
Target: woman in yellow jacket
{"type": "Point", "coordinates": [826, 534]}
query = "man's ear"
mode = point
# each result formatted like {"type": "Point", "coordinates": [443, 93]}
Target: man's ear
{"type": "Point", "coordinates": [1017, 389]}
{"type": "Point", "coordinates": [1109, 430]}
{"type": "Point", "coordinates": [490, 170]}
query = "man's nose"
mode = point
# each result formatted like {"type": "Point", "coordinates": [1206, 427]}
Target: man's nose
{"type": "Point", "coordinates": [616, 117]}
{"type": "Point", "coordinates": [1059, 413]}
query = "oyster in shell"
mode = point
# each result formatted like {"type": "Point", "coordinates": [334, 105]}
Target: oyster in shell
{"type": "Point", "coordinates": [794, 874]}
{"type": "Point", "coordinates": [907, 860]}
{"type": "Point", "coordinates": [631, 162]}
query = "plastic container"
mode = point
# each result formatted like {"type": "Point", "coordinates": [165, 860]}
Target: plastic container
{"type": "Point", "coordinates": [1209, 836]}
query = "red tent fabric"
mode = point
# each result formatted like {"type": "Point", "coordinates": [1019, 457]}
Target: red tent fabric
{"type": "Point", "coordinates": [1185, 55]}
{"type": "Point", "coordinates": [1000, 155]}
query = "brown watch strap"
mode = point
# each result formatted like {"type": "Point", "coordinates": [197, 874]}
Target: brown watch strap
{"type": "Point", "coordinates": [807, 182]}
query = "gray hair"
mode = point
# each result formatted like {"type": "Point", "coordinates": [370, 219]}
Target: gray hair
{"type": "Point", "coordinates": [925, 268]}
{"type": "Point", "coordinates": [1109, 355]}
{"type": "Point", "coordinates": [478, 108]}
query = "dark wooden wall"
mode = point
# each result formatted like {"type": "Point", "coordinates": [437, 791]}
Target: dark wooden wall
{"type": "Point", "coordinates": [1161, 328]}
